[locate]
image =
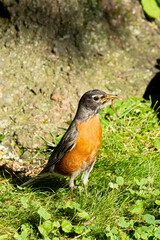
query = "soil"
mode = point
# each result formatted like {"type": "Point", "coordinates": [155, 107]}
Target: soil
{"type": "Point", "coordinates": [52, 51]}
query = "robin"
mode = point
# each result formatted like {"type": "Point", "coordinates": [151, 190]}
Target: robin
{"type": "Point", "coordinates": [78, 149]}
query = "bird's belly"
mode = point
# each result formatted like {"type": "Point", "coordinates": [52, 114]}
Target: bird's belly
{"type": "Point", "coordinates": [85, 150]}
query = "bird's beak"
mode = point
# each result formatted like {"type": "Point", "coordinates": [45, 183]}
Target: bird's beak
{"type": "Point", "coordinates": [108, 97]}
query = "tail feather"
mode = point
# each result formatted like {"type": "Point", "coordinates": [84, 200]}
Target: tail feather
{"type": "Point", "coordinates": [36, 179]}
{"type": "Point", "coordinates": [30, 182]}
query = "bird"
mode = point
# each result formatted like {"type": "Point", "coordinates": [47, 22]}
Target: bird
{"type": "Point", "coordinates": [77, 150]}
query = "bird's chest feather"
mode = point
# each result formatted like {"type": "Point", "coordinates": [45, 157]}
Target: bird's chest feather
{"type": "Point", "coordinates": [86, 147]}
{"type": "Point", "coordinates": [90, 136]}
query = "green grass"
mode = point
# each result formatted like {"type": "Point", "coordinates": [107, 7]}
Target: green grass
{"type": "Point", "coordinates": [124, 188]}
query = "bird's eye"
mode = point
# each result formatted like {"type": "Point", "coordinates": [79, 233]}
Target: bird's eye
{"type": "Point", "coordinates": [96, 98]}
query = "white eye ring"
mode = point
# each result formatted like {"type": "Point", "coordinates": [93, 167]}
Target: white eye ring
{"type": "Point", "coordinates": [96, 98]}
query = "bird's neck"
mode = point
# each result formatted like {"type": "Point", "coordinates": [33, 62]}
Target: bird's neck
{"type": "Point", "coordinates": [83, 114]}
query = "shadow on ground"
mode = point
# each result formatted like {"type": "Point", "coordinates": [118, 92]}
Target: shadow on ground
{"type": "Point", "coordinates": [152, 91]}
{"type": "Point", "coordinates": [18, 177]}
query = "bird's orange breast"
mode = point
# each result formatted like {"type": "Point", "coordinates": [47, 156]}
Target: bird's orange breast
{"type": "Point", "coordinates": [85, 149]}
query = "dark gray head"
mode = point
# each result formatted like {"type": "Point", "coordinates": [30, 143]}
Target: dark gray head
{"type": "Point", "coordinates": [91, 103]}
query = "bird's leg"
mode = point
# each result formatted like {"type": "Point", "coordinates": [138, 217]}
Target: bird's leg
{"type": "Point", "coordinates": [72, 195]}
{"type": "Point", "coordinates": [86, 175]}
{"type": "Point", "coordinates": [85, 188]}
{"type": "Point", "coordinates": [71, 182]}
{"type": "Point", "coordinates": [85, 180]}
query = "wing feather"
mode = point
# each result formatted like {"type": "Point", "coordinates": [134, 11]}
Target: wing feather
{"type": "Point", "coordinates": [65, 145]}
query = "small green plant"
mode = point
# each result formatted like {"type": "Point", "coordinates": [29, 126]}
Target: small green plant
{"type": "Point", "coordinates": [49, 228]}
{"type": "Point", "coordinates": [146, 228]}
{"type": "Point", "coordinates": [151, 7]}
{"type": "Point", "coordinates": [2, 136]}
